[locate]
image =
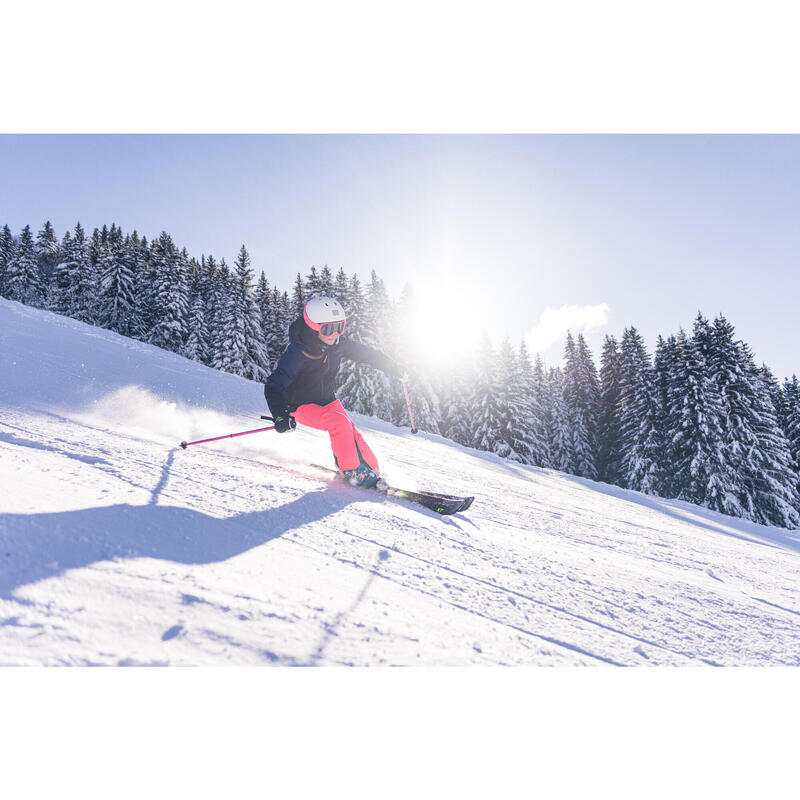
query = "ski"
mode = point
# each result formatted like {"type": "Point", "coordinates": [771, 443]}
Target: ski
{"type": "Point", "coordinates": [443, 504]}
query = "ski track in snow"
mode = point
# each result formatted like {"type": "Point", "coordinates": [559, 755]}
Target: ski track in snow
{"type": "Point", "coordinates": [117, 547]}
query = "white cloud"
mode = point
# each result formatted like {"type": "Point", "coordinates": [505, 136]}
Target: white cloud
{"type": "Point", "coordinates": [555, 322]}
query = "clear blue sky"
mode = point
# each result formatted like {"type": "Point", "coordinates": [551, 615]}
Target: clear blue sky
{"type": "Point", "coordinates": [653, 227]}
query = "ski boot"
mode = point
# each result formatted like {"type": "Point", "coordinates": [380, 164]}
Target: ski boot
{"type": "Point", "coordinates": [362, 475]}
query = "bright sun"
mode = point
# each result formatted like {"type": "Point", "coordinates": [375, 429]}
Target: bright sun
{"type": "Point", "coordinates": [446, 324]}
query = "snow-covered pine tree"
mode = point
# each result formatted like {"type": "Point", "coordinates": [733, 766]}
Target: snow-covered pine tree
{"type": "Point", "coordinates": [694, 423]}
{"type": "Point", "coordinates": [23, 281]}
{"type": "Point", "coordinates": [527, 436]}
{"type": "Point", "coordinates": [196, 346]}
{"type": "Point", "coordinates": [277, 339]}
{"type": "Point", "coordinates": [299, 296]}
{"type": "Point", "coordinates": [116, 293]}
{"type": "Point", "coordinates": [357, 389]}
{"type": "Point", "coordinates": [582, 397]}
{"type": "Point", "coordinates": [137, 255]}
{"type": "Point", "coordinates": [791, 393]}
{"type": "Point", "coordinates": [665, 370]}
{"type": "Point", "coordinates": [513, 408]}
{"type": "Point", "coordinates": [727, 366]}
{"type": "Point", "coordinates": [453, 386]}
{"type": "Point", "coordinates": [221, 291]}
{"type": "Point", "coordinates": [240, 346]}
{"type": "Point", "coordinates": [313, 285]}
{"type": "Point", "coordinates": [97, 247]}
{"type": "Point", "coordinates": [7, 247]}
{"type": "Point", "coordinates": [326, 284]}
{"type": "Point", "coordinates": [608, 466]}
{"type": "Point", "coordinates": [484, 401]}
{"type": "Point", "coordinates": [47, 254]}
{"type": "Point", "coordinates": [559, 427]}
{"type": "Point", "coordinates": [341, 291]}
{"type": "Point", "coordinates": [209, 291]}
{"type": "Point", "coordinates": [776, 393]}
{"type": "Point", "coordinates": [540, 401]}
{"type": "Point", "coordinates": [83, 286]}
{"type": "Point", "coordinates": [639, 444]}
{"type": "Point", "coordinates": [375, 325]}
{"type": "Point", "coordinates": [769, 470]}
{"type": "Point", "coordinates": [59, 296]}
{"type": "Point", "coordinates": [170, 296]}
{"type": "Point", "coordinates": [263, 298]}
{"type": "Point", "coordinates": [396, 346]}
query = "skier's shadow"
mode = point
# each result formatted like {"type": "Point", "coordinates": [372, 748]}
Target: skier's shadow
{"type": "Point", "coordinates": [38, 546]}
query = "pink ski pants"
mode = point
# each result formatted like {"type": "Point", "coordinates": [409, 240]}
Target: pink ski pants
{"type": "Point", "coordinates": [348, 445]}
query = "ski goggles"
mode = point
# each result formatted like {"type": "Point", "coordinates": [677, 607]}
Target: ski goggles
{"type": "Point", "coordinates": [329, 328]}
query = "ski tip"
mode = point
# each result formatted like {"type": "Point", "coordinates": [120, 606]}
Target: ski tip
{"type": "Point", "coordinates": [183, 445]}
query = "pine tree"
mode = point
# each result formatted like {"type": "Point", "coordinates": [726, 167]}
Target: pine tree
{"type": "Point", "coordinates": [366, 390]}
{"type": "Point", "coordinates": [559, 427]}
{"type": "Point", "coordinates": [637, 417]}
{"type": "Point", "coordinates": [263, 298]}
{"type": "Point", "coordinates": [137, 255]}
{"type": "Point", "coordinates": [47, 252]}
{"type": "Point", "coordinates": [73, 288]}
{"type": "Point", "coordinates": [665, 372]}
{"type": "Point", "coordinates": [776, 394]}
{"type": "Point", "coordinates": [453, 387]}
{"type": "Point", "coordinates": [221, 290]}
{"type": "Point", "coordinates": [341, 291]}
{"type": "Point", "coordinates": [116, 293]}
{"type": "Point", "coordinates": [791, 393]}
{"type": "Point", "coordinates": [695, 423]}
{"type": "Point", "coordinates": [769, 472]}
{"type": "Point", "coordinates": [22, 279]}
{"type": "Point", "coordinates": [528, 424]}
{"type": "Point", "coordinates": [7, 248]}
{"type": "Point", "coordinates": [326, 284]}
{"type": "Point", "coordinates": [313, 286]}
{"type": "Point", "coordinates": [357, 389]}
{"type": "Point", "coordinates": [196, 346]}
{"type": "Point", "coordinates": [170, 297]}
{"type": "Point", "coordinates": [240, 346]}
{"type": "Point", "coordinates": [277, 339]}
{"type": "Point", "coordinates": [299, 296]}
{"type": "Point", "coordinates": [582, 397]}
{"type": "Point", "coordinates": [513, 408]}
{"type": "Point", "coordinates": [539, 391]}
{"type": "Point", "coordinates": [484, 403]}
{"type": "Point", "coordinates": [608, 466]}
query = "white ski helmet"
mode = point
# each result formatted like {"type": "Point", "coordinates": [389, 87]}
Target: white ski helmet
{"type": "Point", "coordinates": [324, 315]}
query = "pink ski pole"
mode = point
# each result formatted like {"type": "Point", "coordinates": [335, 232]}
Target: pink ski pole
{"type": "Point", "coordinates": [408, 403]}
{"type": "Point", "coordinates": [184, 445]}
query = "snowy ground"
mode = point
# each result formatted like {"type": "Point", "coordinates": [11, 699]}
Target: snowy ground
{"type": "Point", "coordinates": [118, 547]}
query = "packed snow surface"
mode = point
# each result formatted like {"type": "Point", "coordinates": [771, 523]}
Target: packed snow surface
{"type": "Point", "coordinates": [117, 547]}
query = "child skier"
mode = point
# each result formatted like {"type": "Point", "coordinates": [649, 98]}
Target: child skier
{"type": "Point", "coordinates": [302, 387]}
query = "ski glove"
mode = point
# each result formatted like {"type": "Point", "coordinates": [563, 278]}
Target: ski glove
{"type": "Point", "coordinates": [284, 424]}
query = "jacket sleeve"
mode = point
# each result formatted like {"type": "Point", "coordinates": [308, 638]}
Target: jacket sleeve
{"type": "Point", "coordinates": [355, 351]}
{"type": "Point", "coordinates": [281, 378]}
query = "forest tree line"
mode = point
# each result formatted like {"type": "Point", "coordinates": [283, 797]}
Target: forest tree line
{"type": "Point", "coordinates": [698, 420]}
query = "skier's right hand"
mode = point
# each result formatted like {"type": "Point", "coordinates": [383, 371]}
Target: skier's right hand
{"type": "Point", "coordinates": [284, 424]}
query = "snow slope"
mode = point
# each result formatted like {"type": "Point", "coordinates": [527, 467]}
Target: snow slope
{"type": "Point", "coordinates": [117, 547]}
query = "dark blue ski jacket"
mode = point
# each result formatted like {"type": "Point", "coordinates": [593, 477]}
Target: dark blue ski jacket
{"type": "Point", "coordinates": [307, 371]}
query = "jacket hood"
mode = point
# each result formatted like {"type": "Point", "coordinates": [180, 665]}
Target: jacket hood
{"type": "Point", "coordinates": [300, 333]}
